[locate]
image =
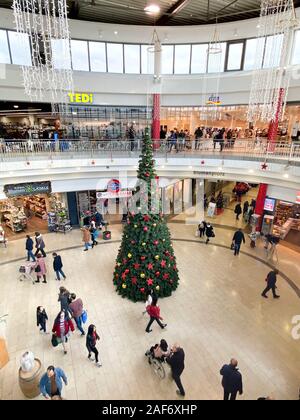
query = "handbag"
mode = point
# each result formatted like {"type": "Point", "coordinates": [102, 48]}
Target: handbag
{"type": "Point", "coordinates": [37, 269]}
{"type": "Point", "coordinates": [54, 340]}
{"type": "Point", "coordinates": [232, 246]}
{"type": "Point", "coordinates": [84, 317]}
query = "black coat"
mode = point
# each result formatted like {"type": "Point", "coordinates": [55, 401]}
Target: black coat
{"type": "Point", "coordinates": [176, 361]}
{"type": "Point", "coordinates": [41, 317]}
{"type": "Point", "coordinates": [232, 379]}
{"type": "Point", "coordinates": [209, 231]}
{"type": "Point", "coordinates": [238, 209]}
{"type": "Point", "coordinates": [272, 279]}
{"type": "Point", "coordinates": [29, 244]}
{"type": "Point", "coordinates": [91, 342]}
{"type": "Point", "coordinates": [238, 238]}
{"type": "Point", "coordinates": [57, 263]}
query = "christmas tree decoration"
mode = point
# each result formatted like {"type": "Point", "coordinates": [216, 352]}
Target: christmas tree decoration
{"type": "Point", "coordinates": [146, 245]}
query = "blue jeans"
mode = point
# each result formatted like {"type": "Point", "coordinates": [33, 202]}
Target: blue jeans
{"type": "Point", "coordinates": [237, 248]}
{"type": "Point", "coordinates": [79, 324]}
{"type": "Point", "coordinates": [30, 254]}
{"type": "Point", "coordinates": [58, 272]}
{"type": "Point", "coordinates": [87, 245]}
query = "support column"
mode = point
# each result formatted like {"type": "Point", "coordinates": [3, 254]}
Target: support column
{"type": "Point", "coordinates": [260, 202]}
{"type": "Point", "coordinates": [156, 120]}
{"type": "Point", "coordinates": [273, 127]}
{"type": "Point", "coordinates": [156, 92]}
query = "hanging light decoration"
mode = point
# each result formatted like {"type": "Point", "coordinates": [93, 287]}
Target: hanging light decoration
{"type": "Point", "coordinates": [211, 84]}
{"type": "Point", "coordinates": [45, 24]}
{"type": "Point", "coordinates": [271, 77]}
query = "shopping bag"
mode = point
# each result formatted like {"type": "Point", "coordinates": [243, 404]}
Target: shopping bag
{"type": "Point", "coordinates": [84, 317]}
{"type": "Point", "coordinates": [197, 233]}
{"type": "Point", "coordinates": [54, 340]}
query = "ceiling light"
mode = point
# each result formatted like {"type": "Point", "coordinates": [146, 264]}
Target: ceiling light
{"type": "Point", "coordinates": [116, 32]}
{"type": "Point", "coordinates": [251, 171]}
{"type": "Point", "coordinates": [152, 9]}
{"type": "Point", "coordinates": [286, 175]}
{"type": "Point", "coordinates": [74, 113]}
{"type": "Point", "coordinates": [16, 106]}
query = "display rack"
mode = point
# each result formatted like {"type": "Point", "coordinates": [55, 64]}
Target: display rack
{"type": "Point", "coordinates": [36, 204]}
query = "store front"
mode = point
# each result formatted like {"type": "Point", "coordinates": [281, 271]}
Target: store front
{"type": "Point", "coordinates": [32, 207]}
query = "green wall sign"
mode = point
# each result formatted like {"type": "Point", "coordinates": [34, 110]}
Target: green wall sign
{"type": "Point", "coordinates": [28, 188]}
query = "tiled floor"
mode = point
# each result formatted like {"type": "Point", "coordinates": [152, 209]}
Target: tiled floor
{"type": "Point", "coordinates": [216, 313]}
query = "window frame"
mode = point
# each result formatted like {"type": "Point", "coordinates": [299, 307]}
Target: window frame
{"type": "Point", "coordinates": [105, 50]}
{"type": "Point", "coordinates": [229, 43]}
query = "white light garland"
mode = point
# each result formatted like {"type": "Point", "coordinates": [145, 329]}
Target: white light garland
{"type": "Point", "coordinates": [44, 23]}
{"type": "Point", "coordinates": [271, 78]}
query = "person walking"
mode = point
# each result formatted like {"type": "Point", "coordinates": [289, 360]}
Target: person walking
{"type": "Point", "coordinates": [237, 240]}
{"type": "Point", "coordinates": [86, 238]}
{"type": "Point", "coordinates": [57, 266]}
{"type": "Point", "coordinates": [154, 313]}
{"type": "Point", "coordinates": [29, 248]}
{"type": "Point", "coordinates": [40, 269]}
{"type": "Point", "coordinates": [209, 231]}
{"type": "Point", "coordinates": [151, 295]}
{"type": "Point", "coordinates": [61, 328]}
{"type": "Point", "coordinates": [176, 361]}
{"type": "Point", "coordinates": [39, 244]}
{"type": "Point", "coordinates": [198, 137]}
{"type": "Point", "coordinates": [76, 308]}
{"type": "Point", "coordinates": [271, 284]}
{"type": "Point", "coordinates": [238, 211]}
{"type": "Point", "coordinates": [41, 318]}
{"type": "Point", "coordinates": [91, 342]}
{"type": "Point", "coordinates": [94, 236]}
{"type": "Point", "coordinates": [64, 297]}
{"type": "Point", "coordinates": [232, 380]}
{"type": "Point", "coordinates": [246, 207]}
{"type": "Point", "coordinates": [51, 382]}
{"type": "Point", "coordinates": [202, 228]}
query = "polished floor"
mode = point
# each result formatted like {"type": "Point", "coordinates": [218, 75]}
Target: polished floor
{"type": "Point", "coordinates": [217, 313]}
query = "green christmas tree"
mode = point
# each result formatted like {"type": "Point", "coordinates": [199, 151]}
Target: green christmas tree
{"type": "Point", "coordinates": [146, 257]}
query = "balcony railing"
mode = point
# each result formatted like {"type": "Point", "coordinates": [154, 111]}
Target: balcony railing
{"type": "Point", "coordinates": [239, 149]}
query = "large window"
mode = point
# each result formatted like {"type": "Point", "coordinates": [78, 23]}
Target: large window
{"type": "Point", "coordinates": [4, 51]}
{"type": "Point", "coordinates": [97, 56]}
{"type": "Point", "coordinates": [216, 61]}
{"type": "Point", "coordinates": [167, 59]}
{"type": "Point", "coordinates": [235, 56]}
{"type": "Point", "coordinates": [115, 58]}
{"type": "Point", "coordinates": [254, 53]}
{"type": "Point", "coordinates": [20, 48]}
{"type": "Point", "coordinates": [199, 59]}
{"type": "Point", "coordinates": [273, 51]}
{"type": "Point", "coordinates": [132, 58]}
{"type": "Point", "coordinates": [296, 51]}
{"type": "Point", "coordinates": [147, 59]}
{"type": "Point", "coordinates": [61, 55]}
{"type": "Point", "coordinates": [80, 55]}
{"type": "Point", "coordinates": [182, 59]}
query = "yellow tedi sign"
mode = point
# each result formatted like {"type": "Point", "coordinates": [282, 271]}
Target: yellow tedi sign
{"type": "Point", "coordinates": [81, 98]}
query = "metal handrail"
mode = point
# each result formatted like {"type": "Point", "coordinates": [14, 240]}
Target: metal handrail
{"type": "Point", "coordinates": [71, 148]}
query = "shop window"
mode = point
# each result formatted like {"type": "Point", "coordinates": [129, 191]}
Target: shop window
{"type": "Point", "coordinates": [199, 59]}
{"type": "Point", "coordinates": [80, 56]}
{"type": "Point", "coordinates": [235, 55]}
{"type": "Point", "coordinates": [97, 56]}
{"type": "Point", "coordinates": [182, 59]}
{"type": "Point", "coordinates": [61, 54]}
{"type": "Point", "coordinates": [296, 52]}
{"type": "Point", "coordinates": [167, 59]}
{"type": "Point", "coordinates": [132, 59]}
{"type": "Point", "coordinates": [273, 51]}
{"type": "Point", "coordinates": [115, 58]}
{"type": "Point", "coordinates": [4, 51]}
{"type": "Point", "coordinates": [216, 61]}
{"type": "Point", "coordinates": [254, 53]}
{"type": "Point", "coordinates": [19, 48]}
{"type": "Point", "coordinates": [147, 59]}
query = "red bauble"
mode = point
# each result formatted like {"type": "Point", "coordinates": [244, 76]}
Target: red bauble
{"type": "Point", "coordinates": [150, 266]}
{"type": "Point", "coordinates": [175, 268]}
{"type": "Point", "coordinates": [147, 174]}
{"type": "Point", "coordinates": [171, 258]}
{"type": "Point", "coordinates": [167, 253]}
{"type": "Point", "coordinates": [124, 261]}
{"type": "Point", "coordinates": [134, 280]}
{"type": "Point", "coordinates": [143, 258]}
{"type": "Point", "coordinates": [145, 229]}
{"type": "Point", "coordinates": [132, 242]}
{"type": "Point", "coordinates": [157, 274]}
{"type": "Point", "coordinates": [142, 289]}
{"type": "Point", "coordinates": [155, 243]}
{"type": "Point", "coordinates": [127, 271]}
{"type": "Point", "coordinates": [117, 276]}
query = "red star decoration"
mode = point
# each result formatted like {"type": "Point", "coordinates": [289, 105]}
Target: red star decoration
{"type": "Point", "coordinates": [264, 166]}
{"type": "Point", "coordinates": [150, 266]}
{"type": "Point", "coordinates": [124, 276]}
{"type": "Point", "coordinates": [163, 263]}
{"type": "Point", "coordinates": [124, 261]}
{"type": "Point", "coordinates": [146, 218]}
{"type": "Point", "coordinates": [134, 280]}
{"type": "Point", "coordinates": [149, 282]}
{"type": "Point", "coordinates": [166, 276]}
{"type": "Point", "coordinates": [136, 266]}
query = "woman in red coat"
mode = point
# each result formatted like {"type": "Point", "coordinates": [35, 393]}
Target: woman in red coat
{"type": "Point", "coordinates": [154, 312]}
{"type": "Point", "coordinates": [62, 327]}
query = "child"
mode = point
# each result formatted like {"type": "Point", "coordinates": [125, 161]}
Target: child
{"type": "Point", "coordinates": [150, 296]}
{"type": "Point", "coordinates": [91, 341]}
{"type": "Point", "coordinates": [41, 318]}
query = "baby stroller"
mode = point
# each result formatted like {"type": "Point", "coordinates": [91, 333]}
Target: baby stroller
{"type": "Point", "coordinates": [26, 271]}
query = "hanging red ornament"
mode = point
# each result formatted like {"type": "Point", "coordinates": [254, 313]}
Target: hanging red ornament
{"type": "Point", "coordinates": [150, 266]}
{"type": "Point", "coordinates": [149, 282]}
{"type": "Point", "coordinates": [127, 271]}
{"type": "Point", "coordinates": [155, 243]}
{"type": "Point", "coordinates": [142, 290]}
{"type": "Point", "coordinates": [163, 263]}
{"type": "Point", "coordinates": [157, 274]}
{"type": "Point", "coordinates": [143, 258]}
{"type": "Point", "coordinates": [145, 229]}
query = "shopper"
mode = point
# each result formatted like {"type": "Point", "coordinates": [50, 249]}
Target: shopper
{"type": "Point", "coordinates": [41, 318]}
{"type": "Point", "coordinates": [237, 240]}
{"type": "Point", "coordinates": [202, 228]}
{"type": "Point", "coordinates": [198, 137]}
{"type": "Point", "coordinates": [91, 342]}
{"type": "Point", "coordinates": [76, 308]}
{"type": "Point", "coordinates": [94, 236]}
{"type": "Point", "coordinates": [154, 312]}
{"type": "Point", "coordinates": [151, 295]}
{"type": "Point", "coordinates": [209, 231]}
{"type": "Point", "coordinates": [57, 266]}
{"type": "Point", "coordinates": [61, 328]}
{"type": "Point", "coordinates": [238, 211]}
{"type": "Point", "coordinates": [39, 244]}
{"type": "Point", "coordinates": [246, 207]}
{"type": "Point", "coordinates": [86, 238]}
{"type": "Point", "coordinates": [51, 383]}
{"type": "Point", "coordinates": [64, 297]}
{"type": "Point", "coordinates": [271, 284]}
{"type": "Point", "coordinates": [176, 361]}
{"type": "Point", "coordinates": [40, 269]}
{"type": "Point", "coordinates": [29, 248]}
{"type": "Point", "coordinates": [232, 380]}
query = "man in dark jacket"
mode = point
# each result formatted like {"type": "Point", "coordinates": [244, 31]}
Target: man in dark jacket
{"type": "Point", "coordinates": [237, 240]}
{"type": "Point", "coordinates": [29, 248]}
{"type": "Point", "coordinates": [271, 284]}
{"type": "Point", "coordinates": [57, 266]}
{"type": "Point", "coordinates": [238, 211]}
{"type": "Point", "coordinates": [176, 361]}
{"type": "Point", "coordinates": [232, 380]}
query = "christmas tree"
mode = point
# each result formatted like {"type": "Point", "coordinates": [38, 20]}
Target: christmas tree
{"type": "Point", "coordinates": [146, 257]}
